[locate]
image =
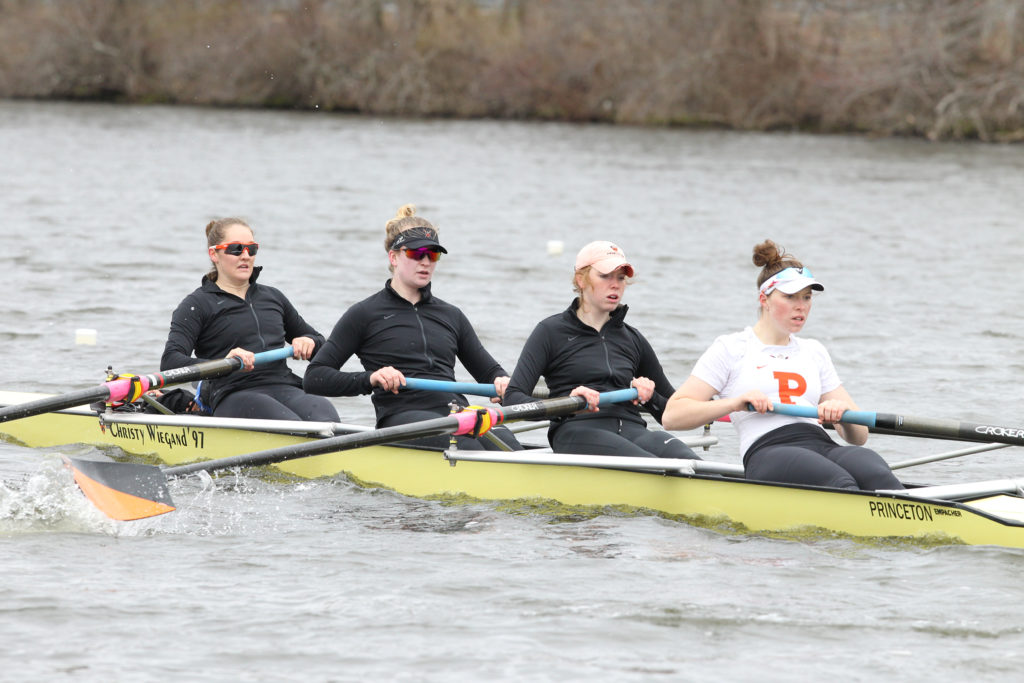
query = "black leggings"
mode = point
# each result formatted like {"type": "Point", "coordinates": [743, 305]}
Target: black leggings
{"type": "Point", "coordinates": [612, 436]}
{"type": "Point", "coordinates": [468, 443]}
{"type": "Point", "coordinates": [804, 454]}
{"type": "Point", "coordinates": [276, 402]}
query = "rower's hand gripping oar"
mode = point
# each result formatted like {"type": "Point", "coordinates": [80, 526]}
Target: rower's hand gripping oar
{"type": "Point", "coordinates": [926, 427]}
{"type": "Point", "coordinates": [127, 388]}
{"type": "Point", "coordinates": [127, 491]}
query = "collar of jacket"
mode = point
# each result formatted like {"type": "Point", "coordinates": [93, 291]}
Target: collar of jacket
{"type": "Point", "coordinates": [425, 295]}
{"type": "Point", "coordinates": [207, 283]}
{"type": "Point", "coordinates": [617, 319]}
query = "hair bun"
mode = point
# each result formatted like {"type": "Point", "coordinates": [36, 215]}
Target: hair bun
{"type": "Point", "coordinates": [768, 254]}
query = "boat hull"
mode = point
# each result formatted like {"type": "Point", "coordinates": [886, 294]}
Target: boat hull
{"type": "Point", "coordinates": [718, 501]}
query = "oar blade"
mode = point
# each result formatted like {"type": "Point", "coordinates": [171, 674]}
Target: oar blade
{"type": "Point", "coordinates": [122, 491]}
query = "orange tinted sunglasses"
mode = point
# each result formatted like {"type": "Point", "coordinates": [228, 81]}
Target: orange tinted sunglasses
{"type": "Point", "coordinates": [236, 248]}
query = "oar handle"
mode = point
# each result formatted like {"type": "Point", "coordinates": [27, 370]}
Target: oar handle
{"type": "Point", "coordinates": [618, 396]}
{"type": "Point", "coordinates": [421, 384]}
{"type": "Point", "coordinates": [857, 417]}
{"type": "Point", "coordinates": [216, 368]}
{"type": "Point", "coordinates": [120, 388]}
{"type": "Point", "coordinates": [282, 353]}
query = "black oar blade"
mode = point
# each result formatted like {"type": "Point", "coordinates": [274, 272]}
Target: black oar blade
{"type": "Point", "coordinates": [122, 491]}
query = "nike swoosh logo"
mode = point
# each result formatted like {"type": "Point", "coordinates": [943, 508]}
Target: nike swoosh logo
{"type": "Point", "coordinates": [761, 366]}
{"type": "Point", "coordinates": [574, 337]}
{"type": "Point", "coordinates": [389, 316]}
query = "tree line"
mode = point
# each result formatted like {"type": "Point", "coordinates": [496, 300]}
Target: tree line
{"type": "Point", "coordinates": [941, 69]}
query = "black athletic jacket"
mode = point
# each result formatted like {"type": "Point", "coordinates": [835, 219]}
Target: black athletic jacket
{"type": "Point", "coordinates": [421, 340]}
{"type": "Point", "coordinates": [569, 353]}
{"type": "Point", "coordinates": [210, 322]}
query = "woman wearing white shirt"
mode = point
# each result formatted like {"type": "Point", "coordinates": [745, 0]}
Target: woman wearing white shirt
{"type": "Point", "coordinates": [768, 363]}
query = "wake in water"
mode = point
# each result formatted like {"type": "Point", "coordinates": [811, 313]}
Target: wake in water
{"type": "Point", "coordinates": [38, 494]}
{"type": "Point", "coordinates": [47, 499]}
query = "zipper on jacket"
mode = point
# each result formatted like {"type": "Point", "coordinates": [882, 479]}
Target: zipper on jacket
{"type": "Point", "coordinates": [256, 319]}
{"type": "Point", "coordinates": [607, 358]}
{"type": "Point", "coordinates": [423, 335]}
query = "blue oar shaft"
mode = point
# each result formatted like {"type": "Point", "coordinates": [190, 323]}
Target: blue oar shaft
{"type": "Point", "coordinates": [857, 417]}
{"type": "Point", "coordinates": [421, 384]}
{"type": "Point", "coordinates": [618, 396]}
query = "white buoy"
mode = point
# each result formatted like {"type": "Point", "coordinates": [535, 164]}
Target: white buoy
{"type": "Point", "coordinates": [85, 336]}
{"type": "Point", "coordinates": [555, 247]}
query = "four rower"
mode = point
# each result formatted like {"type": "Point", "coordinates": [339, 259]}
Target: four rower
{"type": "Point", "coordinates": [404, 331]}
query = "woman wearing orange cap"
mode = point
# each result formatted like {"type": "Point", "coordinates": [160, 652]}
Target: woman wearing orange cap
{"type": "Point", "coordinates": [768, 363]}
{"type": "Point", "coordinates": [588, 349]}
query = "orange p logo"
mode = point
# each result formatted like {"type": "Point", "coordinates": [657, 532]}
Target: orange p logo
{"type": "Point", "coordinates": [790, 385]}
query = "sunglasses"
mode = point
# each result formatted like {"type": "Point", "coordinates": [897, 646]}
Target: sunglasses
{"type": "Point", "coordinates": [417, 254]}
{"type": "Point", "coordinates": [236, 248]}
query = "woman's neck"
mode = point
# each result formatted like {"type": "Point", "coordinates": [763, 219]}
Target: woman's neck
{"type": "Point", "coordinates": [238, 289]}
{"type": "Point", "coordinates": [769, 334]}
{"type": "Point", "coordinates": [407, 292]}
{"type": "Point", "coordinates": [593, 318]}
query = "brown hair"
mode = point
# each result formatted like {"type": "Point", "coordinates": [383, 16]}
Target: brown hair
{"type": "Point", "coordinates": [405, 219]}
{"type": "Point", "coordinates": [215, 230]}
{"type": "Point", "coordinates": [580, 275]}
{"type": "Point", "coordinates": [772, 258]}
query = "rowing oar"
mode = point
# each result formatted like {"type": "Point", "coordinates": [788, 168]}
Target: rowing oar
{"type": "Point", "coordinates": [472, 388]}
{"type": "Point", "coordinates": [421, 384]}
{"type": "Point", "coordinates": [127, 491]}
{"type": "Point", "coordinates": [130, 387]}
{"type": "Point", "coordinates": [928, 427]}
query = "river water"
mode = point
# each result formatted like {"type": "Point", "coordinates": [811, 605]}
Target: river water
{"type": "Point", "coordinates": [101, 217]}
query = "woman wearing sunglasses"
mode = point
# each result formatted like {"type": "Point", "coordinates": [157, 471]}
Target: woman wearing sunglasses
{"type": "Point", "coordinates": [231, 315]}
{"type": "Point", "coordinates": [768, 363]}
{"type": "Point", "coordinates": [405, 331]}
{"type": "Point", "coordinates": [587, 349]}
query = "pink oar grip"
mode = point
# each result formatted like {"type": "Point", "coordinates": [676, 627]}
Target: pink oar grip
{"type": "Point", "coordinates": [119, 388]}
{"type": "Point", "coordinates": [467, 420]}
